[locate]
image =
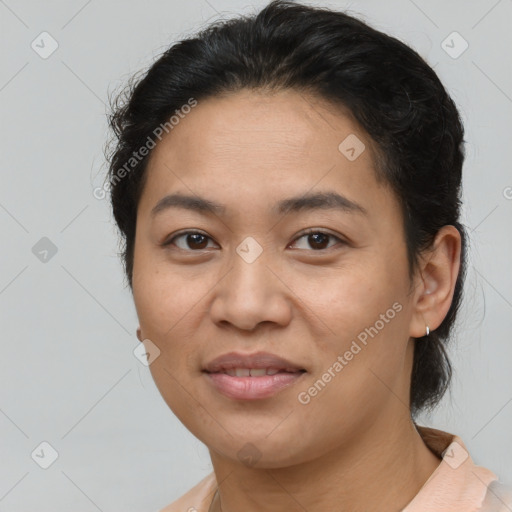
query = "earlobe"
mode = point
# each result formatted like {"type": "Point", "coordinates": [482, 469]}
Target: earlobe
{"type": "Point", "coordinates": [139, 334]}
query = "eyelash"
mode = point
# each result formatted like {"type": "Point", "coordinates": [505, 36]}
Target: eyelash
{"type": "Point", "coordinates": [310, 231]}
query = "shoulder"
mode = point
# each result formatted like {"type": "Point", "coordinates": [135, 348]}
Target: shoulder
{"type": "Point", "coordinates": [197, 499]}
{"type": "Point", "coordinates": [498, 497]}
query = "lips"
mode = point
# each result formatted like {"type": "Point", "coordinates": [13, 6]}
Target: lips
{"type": "Point", "coordinates": [251, 376]}
{"type": "Point", "coordinates": [226, 363]}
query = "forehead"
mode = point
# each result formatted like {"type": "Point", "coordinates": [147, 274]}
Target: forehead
{"type": "Point", "coordinates": [250, 144]}
{"type": "Point", "coordinates": [288, 124]}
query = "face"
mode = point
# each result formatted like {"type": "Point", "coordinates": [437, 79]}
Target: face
{"type": "Point", "coordinates": [320, 283]}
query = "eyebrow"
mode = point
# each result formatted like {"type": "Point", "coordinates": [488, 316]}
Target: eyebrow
{"type": "Point", "coordinates": [307, 202]}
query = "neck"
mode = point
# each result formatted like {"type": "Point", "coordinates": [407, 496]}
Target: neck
{"type": "Point", "coordinates": [382, 469]}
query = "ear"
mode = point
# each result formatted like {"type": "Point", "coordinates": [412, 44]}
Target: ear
{"type": "Point", "coordinates": [139, 334]}
{"type": "Point", "coordinates": [435, 281]}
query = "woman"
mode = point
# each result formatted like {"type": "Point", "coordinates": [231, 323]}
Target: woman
{"type": "Point", "coordinates": [288, 190]}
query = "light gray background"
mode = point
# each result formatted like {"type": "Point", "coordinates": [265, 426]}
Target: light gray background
{"type": "Point", "coordinates": [69, 376]}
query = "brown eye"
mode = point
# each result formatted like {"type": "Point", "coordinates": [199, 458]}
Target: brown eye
{"type": "Point", "coordinates": [189, 241]}
{"type": "Point", "coordinates": [318, 240]}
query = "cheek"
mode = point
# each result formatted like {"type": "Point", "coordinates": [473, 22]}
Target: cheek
{"type": "Point", "coordinates": [168, 306]}
{"type": "Point", "coordinates": [352, 297]}
{"type": "Point", "coordinates": [363, 312]}
{"type": "Point", "coordinates": [164, 298]}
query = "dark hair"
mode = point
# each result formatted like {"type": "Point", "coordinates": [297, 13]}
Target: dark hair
{"type": "Point", "coordinates": [389, 89]}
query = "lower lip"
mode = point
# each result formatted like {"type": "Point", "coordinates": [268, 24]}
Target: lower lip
{"type": "Point", "coordinates": [252, 388]}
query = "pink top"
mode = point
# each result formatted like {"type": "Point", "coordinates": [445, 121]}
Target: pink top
{"type": "Point", "coordinates": [457, 484]}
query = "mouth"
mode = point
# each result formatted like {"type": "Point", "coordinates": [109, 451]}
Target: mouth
{"type": "Point", "coordinates": [251, 376]}
{"type": "Point", "coordinates": [255, 372]}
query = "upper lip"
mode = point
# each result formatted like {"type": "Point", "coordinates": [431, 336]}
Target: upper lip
{"type": "Point", "coordinates": [257, 360]}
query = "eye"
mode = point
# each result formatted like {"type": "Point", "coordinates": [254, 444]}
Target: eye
{"type": "Point", "coordinates": [197, 241]}
{"type": "Point", "coordinates": [318, 239]}
{"type": "Point", "coordinates": [191, 240]}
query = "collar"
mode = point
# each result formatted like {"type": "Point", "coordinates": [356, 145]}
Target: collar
{"type": "Point", "coordinates": [457, 483]}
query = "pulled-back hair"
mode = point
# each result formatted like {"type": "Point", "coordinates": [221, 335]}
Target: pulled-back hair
{"type": "Point", "coordinates": [390, 90]}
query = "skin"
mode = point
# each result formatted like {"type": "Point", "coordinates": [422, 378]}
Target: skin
{"type": "Point", "coordinates": [353, 446]}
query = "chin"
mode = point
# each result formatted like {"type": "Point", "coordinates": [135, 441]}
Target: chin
{"type": "Point", "coordinates": [262, 448]}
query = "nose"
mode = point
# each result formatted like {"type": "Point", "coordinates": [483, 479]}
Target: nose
{"type": "Point", "coordinates": [250, 294]}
